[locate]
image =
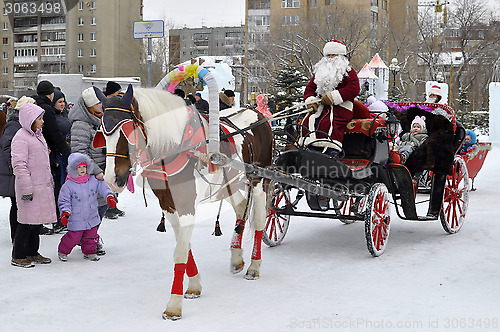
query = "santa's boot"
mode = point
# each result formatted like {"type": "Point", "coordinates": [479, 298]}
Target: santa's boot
{"type": "Point", "coordinates": [437, 191]}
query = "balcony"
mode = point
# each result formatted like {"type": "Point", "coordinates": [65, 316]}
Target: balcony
{"type": "Point", "coordinates": [25, 60]}
{"type": "Point", "coordinates": [54, 58]}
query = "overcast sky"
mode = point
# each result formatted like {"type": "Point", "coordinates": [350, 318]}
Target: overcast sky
{"type": "Point", "coordinates": [195, 13]}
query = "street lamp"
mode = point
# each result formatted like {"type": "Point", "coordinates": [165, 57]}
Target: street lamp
{"type": "Point", "coordinates": [394, 68]}
{"type": "Point", "coordinates": [440, 77]}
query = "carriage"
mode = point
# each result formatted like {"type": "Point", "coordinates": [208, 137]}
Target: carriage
{"type": "Point", "coordinates": [363, 183]}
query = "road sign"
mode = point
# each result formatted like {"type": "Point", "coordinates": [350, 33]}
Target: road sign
{"type": "Point", "coordinates": [148, 29]}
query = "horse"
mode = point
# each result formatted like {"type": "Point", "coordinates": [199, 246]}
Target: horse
{"type": "Point", "coordinates": [162, 121]}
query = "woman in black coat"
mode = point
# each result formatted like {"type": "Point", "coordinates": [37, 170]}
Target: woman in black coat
{"type": "Point", "coordinates": [6, 174]}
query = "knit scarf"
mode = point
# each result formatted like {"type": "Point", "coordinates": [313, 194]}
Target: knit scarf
{"type": "Point", "coordinates": [80, 179]}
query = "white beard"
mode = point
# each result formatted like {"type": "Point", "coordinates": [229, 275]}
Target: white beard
{"type": "Point", "coordinates": [430, 100]}
{"type": "Point", "coordinates": [329, 72]}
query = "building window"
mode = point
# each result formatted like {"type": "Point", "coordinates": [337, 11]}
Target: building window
{"type": "Point", "coordinates": [93, 36]}
{"type": "Point", "coordinates": [6, 25]}
{"type": "Point", "coordinates": [80, 68]}
{"type": "Point", "coordinates": [5, 85]}
{"type": "Point", "coordinates": [5, 40]}
{"type": "Point", "coordinates": [93, 21]}
{"type": "Point", "coordinates": [262, 20]}
{"type": "Point", "coordinates": [328, 2]}
{"type": "Point", "coordinates": [92, 5]}
{"type": "Point", "coordinates": [5, 70]}
{"type": "Point", "coordinates": [80, 5]}
{"type": "Point", "coordinates": [93, 68]}
{"type": "Point", "coordinates": [93, 52]}
{"type": "Point", "coordinates": [290, 20]}
{"type": "Point", "coordinates": [290, 3]}
{"type": "Point", "coordinates": [313, 4]}
{"type": "Point", "coordinates": [259, 4]}
{"type": "Point", "coordinates": [80, 37]}
{"type": "Point", "coordinates": [80, 21]}
{"type": "Point", "coordinates": [375, 3]}
{"type": "Point", "coordinates": [5, 56]}
{"type": "Point", "coordinates": [80, 53]}
{"type": "Point", "coordinates": [384, 4]}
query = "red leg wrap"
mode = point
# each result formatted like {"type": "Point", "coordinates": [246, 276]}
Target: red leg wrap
{"type": "Point", "coordinates": [236, 240]}
{"type": "Point", "coordinates": [177, 285]}
{"type": "Point", "coordinates": [257, 244]}
{"type": "Point", "coordinates": [191, 269]}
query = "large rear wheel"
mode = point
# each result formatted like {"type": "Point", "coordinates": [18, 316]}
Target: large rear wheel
{"type": "Point", "coordinates": [377, 219]}
{"type": "Point", "coordinates": [456, 197]}
{"type": "Point", "coordinates": [276, 224]}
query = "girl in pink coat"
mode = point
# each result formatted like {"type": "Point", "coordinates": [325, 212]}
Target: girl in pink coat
{"type": "Point", "coordinates": [34, 187]}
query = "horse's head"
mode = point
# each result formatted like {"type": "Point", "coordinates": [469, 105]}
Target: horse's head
{"type": "Point", "coordinates": [120, 132]}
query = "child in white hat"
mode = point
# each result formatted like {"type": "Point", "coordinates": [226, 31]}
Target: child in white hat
{"type": "Point", "coordinates": [410, 141]}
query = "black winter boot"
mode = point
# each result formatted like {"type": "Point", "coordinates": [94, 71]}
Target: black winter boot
{"type": "Point", "coordinates": [437, 191]}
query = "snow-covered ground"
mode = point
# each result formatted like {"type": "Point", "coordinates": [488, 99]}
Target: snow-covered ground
{"type": "Point", "coordinates": [321, 276]}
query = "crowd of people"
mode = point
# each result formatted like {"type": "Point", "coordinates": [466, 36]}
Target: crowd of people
{"type": "Point", "coordinates": [53, 175]}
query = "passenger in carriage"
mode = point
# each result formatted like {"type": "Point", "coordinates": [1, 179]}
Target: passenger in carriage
{"type": "Point", "coordinates": [435, 95]}
{"type": "Point", "coordinates": [410, 141]}
{"type": "Point", "coordinates": [337, 84]}
{"type": "Point", "coordinates": [469, 142]}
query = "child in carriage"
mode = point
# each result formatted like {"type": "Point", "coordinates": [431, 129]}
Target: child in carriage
{"type": "Point", "coordinates": [78, 206]}
{"type": "Point", "coordinates": [410, 141]}
{"type": "Point", "coordinates": [469, 142]}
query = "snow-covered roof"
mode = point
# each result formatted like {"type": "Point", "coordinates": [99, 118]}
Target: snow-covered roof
{"type": "Point", "coordinates": [377, 62]}
{"type": "Point", "coordinates": [367, 72]}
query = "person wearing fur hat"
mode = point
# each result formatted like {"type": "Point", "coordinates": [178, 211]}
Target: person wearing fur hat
{"type": "Point", "coordinates": [336, 84]}
{"type": "Point", "coordinates": [78, 203]}
{"type": "Point", "coordinates": [34, 186]}
{"type": "Point", "coordinates": [410, 141]}
{"type": "Point", "coordinates": [226, 99]}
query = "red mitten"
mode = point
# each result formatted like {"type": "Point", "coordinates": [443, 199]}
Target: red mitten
{"type": "Point", "coordinates": [111, 200]}
{"type": "Point", "coordinates": [64, 217]}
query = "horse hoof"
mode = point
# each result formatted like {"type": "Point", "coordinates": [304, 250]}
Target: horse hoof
{"type": "Point", "coordinates": [192, 294]}
{"type": "Point", "coordinates": [237, 268]}
{"type": "Point", "coordinates": [170, 315]}
{"type": "Point", "coordinates": [252, 275]}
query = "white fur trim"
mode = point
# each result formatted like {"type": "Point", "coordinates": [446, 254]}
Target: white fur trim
{"type": "Point", "coordinates": [334, 47]}
{"type": "Point", "coordinates": [335, 97]}
{"type": "Point", "coordinates": [310, 100]}
{"type": "Point", "coordinates": [347, 105]}
{"type": "Point", "coordinates": [322, 143]}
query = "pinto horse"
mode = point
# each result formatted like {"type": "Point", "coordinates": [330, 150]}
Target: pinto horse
{"type": "Point", "coordinates": [149, 127]}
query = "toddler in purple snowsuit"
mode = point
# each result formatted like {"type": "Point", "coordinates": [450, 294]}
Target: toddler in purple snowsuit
{"type": "Point", "coordinates": [78, 207]}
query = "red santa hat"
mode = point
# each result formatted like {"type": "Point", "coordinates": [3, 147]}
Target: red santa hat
{"type": "Point", "coordinates": [334, 47]}
{"type": "Point", "coordinates": [435, 89]}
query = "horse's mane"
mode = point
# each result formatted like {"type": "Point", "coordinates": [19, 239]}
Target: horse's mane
{"type": "Point", "coordinates": [165, 117]}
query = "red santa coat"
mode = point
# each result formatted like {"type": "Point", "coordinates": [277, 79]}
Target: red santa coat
{"type": "Point", "coordinates": [333, 123]}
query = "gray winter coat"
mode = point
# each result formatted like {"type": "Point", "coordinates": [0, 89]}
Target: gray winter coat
{"type": "Point", "coordinates": [410, 141]}
{"type": "Point", "coordinates": [83, 129]}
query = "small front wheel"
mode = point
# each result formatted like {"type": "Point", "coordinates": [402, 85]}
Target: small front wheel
{"type": "Point", "coordinates": [456, 197]}
{"type": "Point", "coordinates": [276, 224]}
{"type": "Point", "coordinates": [377, 219]}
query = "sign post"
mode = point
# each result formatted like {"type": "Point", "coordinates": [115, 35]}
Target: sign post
{"type": "Point", "coordinates": [149, 30]}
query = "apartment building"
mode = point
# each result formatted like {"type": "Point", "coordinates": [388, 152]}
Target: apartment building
{"type": "Point", "coordinates": [93, 38]}
{"type": "Point", "coordinates": [189, 43]}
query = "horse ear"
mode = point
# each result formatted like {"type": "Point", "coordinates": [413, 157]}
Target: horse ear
{"type": "Point", "coordinates": [99, 94]}
{"type": "Point", "coordinates": [128, 97]}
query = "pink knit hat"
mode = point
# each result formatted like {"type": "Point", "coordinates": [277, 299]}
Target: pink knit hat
{"type": "Point", "coordinates": [421, 121]}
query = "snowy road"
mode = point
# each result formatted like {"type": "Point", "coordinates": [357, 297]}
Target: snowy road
{"type": "Point", "coordinates": [321, 276]}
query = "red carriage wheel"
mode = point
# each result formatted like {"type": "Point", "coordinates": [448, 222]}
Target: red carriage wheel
{"type": "Point", "coordinates": [456, 197]}
{"type": "Point", "coordinates": [377, 219]}
{"type": "Point", "coordinates": [276, 224]}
